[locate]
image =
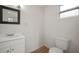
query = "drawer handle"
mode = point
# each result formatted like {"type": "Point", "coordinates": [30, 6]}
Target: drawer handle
{"type": "Point", "coordinates": [12, 49]}
{"type": "Point", "coordinates": [7, 51]}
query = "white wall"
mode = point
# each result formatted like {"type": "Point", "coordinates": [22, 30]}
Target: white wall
{"type": "Point", "coordinates": [55, 27]}
{"type": "Point", "coordinates": [50, 24]}
{"type": "Point", "coordinates": [30, 27]}
{"type": "Point", "coordinates": [34, 17]}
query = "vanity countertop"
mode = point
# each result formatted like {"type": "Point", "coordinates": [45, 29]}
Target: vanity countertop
{"type": "Point", "coordinates": [7, 38]}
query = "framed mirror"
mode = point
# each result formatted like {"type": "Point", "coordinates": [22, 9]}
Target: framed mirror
{"type": "Point", "coordinates": [9, 15]}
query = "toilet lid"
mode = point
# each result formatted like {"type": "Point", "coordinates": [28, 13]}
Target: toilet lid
{"type": "Point", "coordinates": [55, 50]}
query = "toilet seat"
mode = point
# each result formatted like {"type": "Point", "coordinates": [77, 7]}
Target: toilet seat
{"type": "Point", "coordinates": [55, 50]}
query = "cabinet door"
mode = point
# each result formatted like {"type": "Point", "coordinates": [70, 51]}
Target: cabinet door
{"type": "Point", "coordinates": [5, 47]}
{"type": "Point", "coordinates": [18, 46]}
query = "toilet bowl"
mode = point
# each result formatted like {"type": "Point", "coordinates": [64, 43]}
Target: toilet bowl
{"type": "Point", "coordinates": [61, 45]}
{"type": "Point", "coordinates": [55, 50]}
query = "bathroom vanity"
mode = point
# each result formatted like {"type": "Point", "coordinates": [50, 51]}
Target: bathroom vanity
{"type": "Point", "coordinates": [12, 44]}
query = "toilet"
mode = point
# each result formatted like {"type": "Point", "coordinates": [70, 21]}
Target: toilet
{"type": "Point", "coordinates": [61, 45]}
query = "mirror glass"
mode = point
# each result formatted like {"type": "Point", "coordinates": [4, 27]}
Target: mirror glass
{"type": "Point", "coordinates": [10, 16]}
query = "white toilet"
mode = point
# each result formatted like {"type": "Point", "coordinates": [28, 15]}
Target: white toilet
{"type": "Point", "coordinates": [61, 45]}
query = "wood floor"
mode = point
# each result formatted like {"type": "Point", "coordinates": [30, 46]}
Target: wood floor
{"type": "Point", "coordinates": [42, 49]}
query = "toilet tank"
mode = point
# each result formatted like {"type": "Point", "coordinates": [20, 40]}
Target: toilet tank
{"type": "Point", "coordinates": [62, 43]}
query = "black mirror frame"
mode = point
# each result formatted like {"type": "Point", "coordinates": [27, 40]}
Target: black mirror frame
{"type": "Point", "coordinates": [8, 8]}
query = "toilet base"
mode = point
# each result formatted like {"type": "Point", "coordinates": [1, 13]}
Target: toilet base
{"type": "Point", "coordinates": [55, 50]}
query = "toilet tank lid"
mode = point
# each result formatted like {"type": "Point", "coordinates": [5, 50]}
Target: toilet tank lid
{"type": "Point", "coordinates": [63, 38]}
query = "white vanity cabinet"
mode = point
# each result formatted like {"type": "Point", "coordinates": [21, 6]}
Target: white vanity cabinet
{"type": "Point", "coordinates": [5, 47]}
{"type": "Point", "coordinates": [14, 45]}
{"type": "Point", "coordinates": [17, 46]}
